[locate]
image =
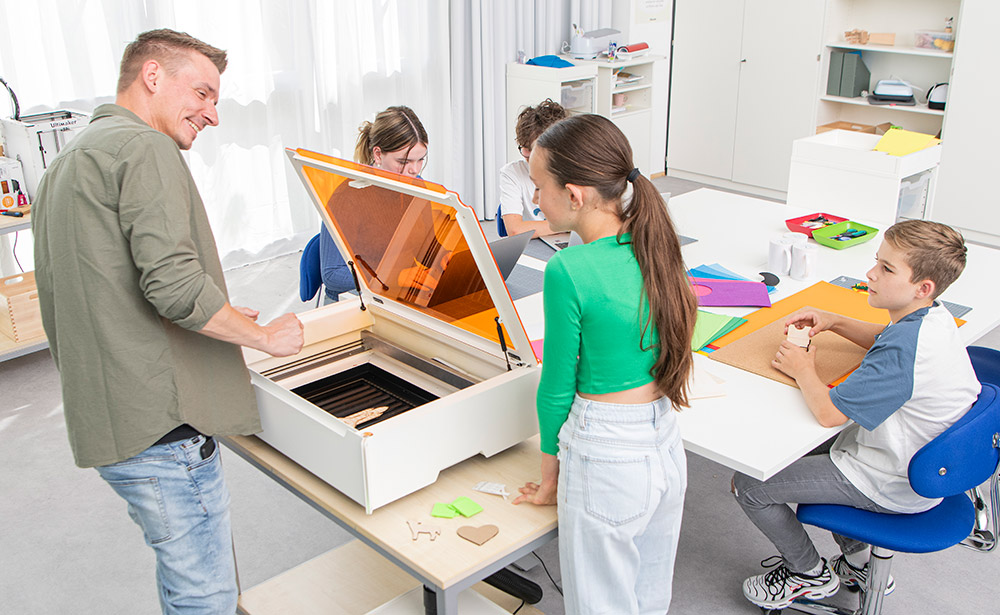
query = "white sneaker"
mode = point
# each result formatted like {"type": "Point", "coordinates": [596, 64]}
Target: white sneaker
{"type": "Point", "coordinates": [854, 577]}
{"type": "Point", "coordinates": [779, 587]}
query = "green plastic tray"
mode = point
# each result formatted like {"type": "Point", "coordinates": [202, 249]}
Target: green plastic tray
{"type": "Point", "coordinates": [825, 236]}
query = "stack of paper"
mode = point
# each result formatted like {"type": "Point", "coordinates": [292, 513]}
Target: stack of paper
{"type": "Point", "coordinates": [899, 142]}
{"type": "Point", "coordinates": [717, 272]}
{"type": "Point", "coordinates": [710, 327]}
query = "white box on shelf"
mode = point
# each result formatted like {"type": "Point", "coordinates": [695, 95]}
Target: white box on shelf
{"type": "Point", "coordinates": [839, 172]}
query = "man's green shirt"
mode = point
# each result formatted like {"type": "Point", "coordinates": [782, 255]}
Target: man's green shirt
{"type": "Point", "coordinates": [128, 272]}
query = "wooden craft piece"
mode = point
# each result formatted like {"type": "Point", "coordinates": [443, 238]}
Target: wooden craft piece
{"type": "Point", "coordinates": [799, 336]}
{"type": "Point", "coordinates": [835, 356]}
{"type": "Point", "coordinates": [417, 528]}
{"type": "Point", "coordinates": [353, 420]}
{"type": "Point", "coordinates": [478, 535]}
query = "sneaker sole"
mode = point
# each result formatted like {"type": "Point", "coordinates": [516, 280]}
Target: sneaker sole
{"type": "Point", "coordinates": [853, 585]}
{"type": "Point", "coordinates": [812, 594]}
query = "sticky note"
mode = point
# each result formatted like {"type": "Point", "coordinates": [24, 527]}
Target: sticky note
{"type": "Point", "coordinates": [466, 507]}
{"type": "Point", "coordinates": [444, 511]}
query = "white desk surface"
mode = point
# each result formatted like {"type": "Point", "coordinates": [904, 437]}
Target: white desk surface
{"type": "Point", "coordinates": [761, 426]}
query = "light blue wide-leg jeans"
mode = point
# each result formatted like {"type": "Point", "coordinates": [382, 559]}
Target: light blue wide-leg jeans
{"type": "Point", "coordinates": [182, 505]}
{"type": "Point", "coordinates": [622, 477]}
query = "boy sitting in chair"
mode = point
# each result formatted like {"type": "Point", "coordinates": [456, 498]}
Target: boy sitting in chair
{"type": "Point", "coordinates": [915, 381]}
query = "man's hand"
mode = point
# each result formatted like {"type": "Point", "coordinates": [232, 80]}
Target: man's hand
{"type": "Point", "coordinates": [795, 360]}
{"type": "Point", "coordinates": [248, 312]}
{"type": "Point", "coordinates": [284, 335]}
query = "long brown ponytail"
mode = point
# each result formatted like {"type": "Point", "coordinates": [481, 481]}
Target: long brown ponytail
{"type": "Point", "coordinates": [589, 150]}
{"type": "Point", "coordinates": [394, 129]}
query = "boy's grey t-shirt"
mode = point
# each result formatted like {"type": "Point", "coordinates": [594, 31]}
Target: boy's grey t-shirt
{"type": "Point", "coordinates": [915, 381]}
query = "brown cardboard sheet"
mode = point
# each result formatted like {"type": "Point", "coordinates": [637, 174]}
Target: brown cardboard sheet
{"type": "Point", "coordinates": [835, 356]}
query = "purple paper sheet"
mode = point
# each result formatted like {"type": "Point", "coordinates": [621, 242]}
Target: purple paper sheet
{"type": "Point", "coordinates": [731, 293]}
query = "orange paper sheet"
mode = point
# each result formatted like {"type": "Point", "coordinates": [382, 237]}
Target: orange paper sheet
{"type": "Point", "coordinates": [823, 295]}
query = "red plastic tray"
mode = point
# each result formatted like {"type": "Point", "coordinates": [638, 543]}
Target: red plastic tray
{"type": "Point", "coordinates": [796, 224]}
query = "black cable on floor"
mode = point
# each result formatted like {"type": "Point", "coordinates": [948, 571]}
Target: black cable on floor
{"type": "Point", "coordinates": [519, 608]}
{"type": "Point", "coordinates": [546, 569]}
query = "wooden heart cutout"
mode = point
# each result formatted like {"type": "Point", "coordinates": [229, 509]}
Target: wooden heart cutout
{"type": "Point", "coordinates": [478, 535]}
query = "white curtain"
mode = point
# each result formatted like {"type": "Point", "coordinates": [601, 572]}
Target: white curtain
{"type": "Point", "coordinates": [302, 73]}
{"type": "Point", "coordinates": [485, 36]}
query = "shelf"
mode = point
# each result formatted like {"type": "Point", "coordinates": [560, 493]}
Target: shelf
{"type": "Point", "coordinates": [628, 112]}
{"type": "Point", "coordinates": [899, 49]}
{"type": "Point", "coordinates": [9, 349]}
{"type": "Point", "coordinates": [861, 101]}
{"type": "Point", "coordinates": [630, 88]}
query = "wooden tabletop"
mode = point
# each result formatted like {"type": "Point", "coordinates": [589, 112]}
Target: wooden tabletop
{"type": "Point", "coordinates": [9, 224]}
{"type": "Point", "coordinates": [449, 559]}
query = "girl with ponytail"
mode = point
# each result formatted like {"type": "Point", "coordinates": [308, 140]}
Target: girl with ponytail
{"type": "Point", "coordinates": [619, 316]}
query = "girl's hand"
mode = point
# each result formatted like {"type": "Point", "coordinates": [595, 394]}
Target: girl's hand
{"type": "Point", "coordinates": [544, 494]}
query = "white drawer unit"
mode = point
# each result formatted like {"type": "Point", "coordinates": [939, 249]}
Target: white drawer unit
{"type": "Point", "coordinates": [421, 347]}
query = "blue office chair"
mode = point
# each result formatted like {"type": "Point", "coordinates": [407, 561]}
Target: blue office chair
{"type": "Point", "coordinates": [310, 273]}
{"type": "Point", "coordinates": [986, 362]}
{"type": "Point", "coordinates": [964, 456]}
{"type": "Point", "coordinates": [501, 227]}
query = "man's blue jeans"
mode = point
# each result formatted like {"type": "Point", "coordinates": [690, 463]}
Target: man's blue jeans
{"type": "Point", "coordinates": [182, 505]}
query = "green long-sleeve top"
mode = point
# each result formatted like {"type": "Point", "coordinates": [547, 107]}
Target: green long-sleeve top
{"type": "Point", "coordinates": [594, 313]}
{"type": "Point", "coordinates": [127, 273]}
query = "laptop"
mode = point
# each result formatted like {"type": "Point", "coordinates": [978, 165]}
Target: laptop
{"type": "Point", "coordinates": [507, 250]}
{"type": "Point", "coordinates": [558, 241]}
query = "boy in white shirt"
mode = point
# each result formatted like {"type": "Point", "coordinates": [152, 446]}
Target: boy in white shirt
{"type": "Point", "coordinates": [915, 381]}
{"type": "Point", "coordinates": [517, 211]}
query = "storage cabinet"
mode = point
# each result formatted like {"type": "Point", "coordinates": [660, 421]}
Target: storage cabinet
{"type": "Point", "coordinates": [573, 87]}
{"type": "Point", "coordinates": [627, 92]}
{"type": "Point", "coordinates": [922, 68]}
{"type": "Point", "coordinates": [743, 88]}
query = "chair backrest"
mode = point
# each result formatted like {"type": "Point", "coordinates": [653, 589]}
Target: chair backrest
{"type": "Point", "coordinates": [986, 362]}
{"type": "Point", "coordinates": [310, 274]}
{"type": "Point", "coordinates": [501, 227]}
{"type": "Point", "coordinates": [965, 455]}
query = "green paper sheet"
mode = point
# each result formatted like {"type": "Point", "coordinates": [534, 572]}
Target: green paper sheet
{"type": "Point", "coordinates": [710, 327]}
{"type": "Point", "coordinates": [444, 511]}
{"type": "Point", "coordinates": [466, 507]}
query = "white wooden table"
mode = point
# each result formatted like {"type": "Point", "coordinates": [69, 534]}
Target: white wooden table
{"type": "Point", "coordinates": [761, 426]}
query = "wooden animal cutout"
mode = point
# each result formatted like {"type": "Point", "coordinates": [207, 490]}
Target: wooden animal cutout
{"type": "Point", "coordinates": [799, 336]}
{"type": "Point", "coordinates": [417, 528]}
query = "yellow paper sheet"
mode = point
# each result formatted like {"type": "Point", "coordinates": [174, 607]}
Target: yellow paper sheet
{"type": "Point", "coordinates": [899, 142]}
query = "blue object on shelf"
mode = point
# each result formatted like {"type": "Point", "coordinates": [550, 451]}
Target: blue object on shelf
{"type": "Point", "coordinates": [550, 61]}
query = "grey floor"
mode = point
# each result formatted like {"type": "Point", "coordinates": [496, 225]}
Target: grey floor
{"type": "Point", "coordinates": [67, 545]}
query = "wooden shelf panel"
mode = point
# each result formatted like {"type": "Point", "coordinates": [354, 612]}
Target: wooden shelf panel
{"type": "Point", "coordinates": [918, 108]}
{"type": "Point", "coordinates": [899, 49]}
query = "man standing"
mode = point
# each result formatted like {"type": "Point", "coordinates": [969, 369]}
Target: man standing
{"type": "Point", "coordinates": [135, 308]}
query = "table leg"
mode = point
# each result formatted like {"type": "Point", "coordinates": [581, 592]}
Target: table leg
{"type": "Point", "coordinates": [447, 601]}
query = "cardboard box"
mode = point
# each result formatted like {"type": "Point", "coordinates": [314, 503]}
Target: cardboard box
{"type": "Point", "coordinates": [846, 126]}
{"type": "Point", "coordinates": [20, 317]}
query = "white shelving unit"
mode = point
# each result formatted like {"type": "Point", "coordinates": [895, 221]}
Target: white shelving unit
{"type": "Point", "coordinates": [920, 67]}
{"type": "Point", "coordinates": [573, 87]}
{"type": "Point", "coordinates": [529, 85]}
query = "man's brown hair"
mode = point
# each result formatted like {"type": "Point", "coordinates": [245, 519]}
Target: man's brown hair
{"type": "Point", "coordinates": [166, 46]}
{"type": "Point", "coordinates": [934, 251]}
{"type": "Point", "coordinates": [533, 121]}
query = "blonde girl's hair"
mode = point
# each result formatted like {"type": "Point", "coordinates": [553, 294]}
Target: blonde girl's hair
{"type": "Point", "coordinates": [589, 150]}
{"type": "Point", "coordinates": [394, 129]}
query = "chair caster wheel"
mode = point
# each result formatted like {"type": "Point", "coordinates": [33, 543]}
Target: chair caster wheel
{"type": "Point", "coordinates": [852, 588]}
{"type": "Point", "coordinates": [766, 611]}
